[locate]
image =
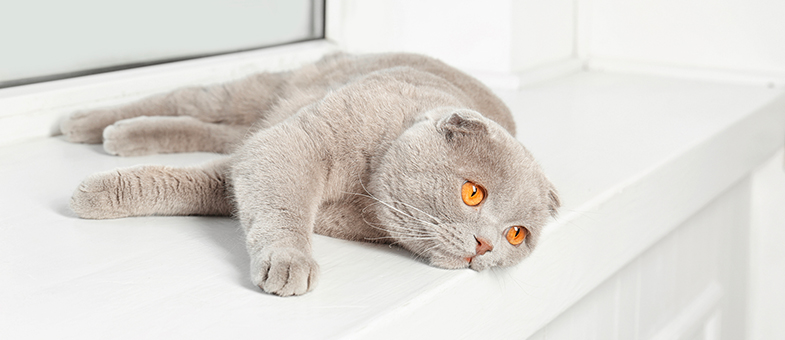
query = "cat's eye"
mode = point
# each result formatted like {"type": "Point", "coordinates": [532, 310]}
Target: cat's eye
{"type": "Point", "coordinates": [516, 235]}
{"type": "Point", "coordinates": [472, 194]}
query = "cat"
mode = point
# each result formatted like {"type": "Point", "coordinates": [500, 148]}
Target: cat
{"type": "Point", "coordinates": [388, 148]}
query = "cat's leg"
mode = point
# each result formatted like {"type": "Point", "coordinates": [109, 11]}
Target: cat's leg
{"type": "Point", "coordinates": [346, 218]}
{"type": "Point", "coordinates": [278, 177]}
{"type": "Point", "coordinates": [152, 135]}
{"type": "Point", "coordinates": [240, 102]}
{"type": "Point", "coordinates": [154, 190]}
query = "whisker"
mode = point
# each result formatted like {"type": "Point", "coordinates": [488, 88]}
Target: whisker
{"type": "Point", "coordinates": [404, 231]}
{"type": "Point", "coordinates": [396, 234]}
{"type": "Point", "coordinates": [434, 246]}
{"type": "Point", "coordinates": [452, 239]}
{"type": "Point", "coordinates": [400, 230]}
{"type": "Point", "coordinates": [368, 194]}
{"type": "Point", "coordinates": [438, 221]}
{"type": "Point", "coordinates": [401, 238]}
{"type": "Point", "coordinates": [386, 228]}
{"type": "Point", "coordinates": [407, 215]}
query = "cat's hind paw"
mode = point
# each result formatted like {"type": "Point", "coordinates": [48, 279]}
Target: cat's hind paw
{"type": "Point", "coordinates": [284, 271]}
{"type": "Point", "coordinates": [86, 126]}
{"type": "Point", "coordinates": [131, 137]}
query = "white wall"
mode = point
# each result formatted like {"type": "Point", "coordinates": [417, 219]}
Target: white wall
{"type": "Point", "coordinates": [745, 35]}
{"type": "Point", "coordinates": [512, 36]}
{"type": "Point", "coordinates": [462, 34]}
{"type": "Point", "coordinates": [543, 32]}
{"type": "Point", "coordinates": [495, 35]}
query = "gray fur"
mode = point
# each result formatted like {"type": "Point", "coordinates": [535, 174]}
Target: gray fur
{"type": "Point", "coordinates": [369, 148]}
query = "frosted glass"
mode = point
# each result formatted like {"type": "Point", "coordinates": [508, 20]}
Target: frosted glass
{"type": "Point", "coordinates": [42, 38]}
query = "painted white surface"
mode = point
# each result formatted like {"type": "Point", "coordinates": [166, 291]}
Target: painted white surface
{"type": "Point", "coordinates": [542, 32]}
{"type": "Point", "coordinates": [35, 110]}
{"type": "Point", "coordinates": [500, 36]}
{"type": "Point", "coordinates": [767, 255]}
{"type": "Point", "coordinates": [44, 37]}
{"type": "Point", "coordinates": [633, 157]}
{"type": "Point", "coordinates": [460, 32]}
{"type": "Point", "coordinates": [766, 79]}
{"type": "Point", "coordinates": [728, 34]}
{"type": "Point", "coordinates": [677, 289]}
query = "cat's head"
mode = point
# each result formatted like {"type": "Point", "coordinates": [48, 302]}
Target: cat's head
{"type": "Point", "coordinates": [460, 191]}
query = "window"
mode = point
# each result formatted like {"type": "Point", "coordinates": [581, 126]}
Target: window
{"type": "Point", "coordinates": [48, 39]}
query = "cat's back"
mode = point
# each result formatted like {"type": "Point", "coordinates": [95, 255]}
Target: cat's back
{"type": "Point", "coordinates": [337, 70]}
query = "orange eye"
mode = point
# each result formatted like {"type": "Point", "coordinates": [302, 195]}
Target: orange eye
{"type": "Point", "coordinates": [516, 235]}
{"type": "Point", "coordinates": [472, 194]}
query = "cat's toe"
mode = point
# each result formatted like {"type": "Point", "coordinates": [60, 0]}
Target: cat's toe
{"type": "Point", "coordinates": [112, 141]}
{"type": "Point", "coordinates": [123, 138]}
{"type": "Point", "coordinates": [285, 272]}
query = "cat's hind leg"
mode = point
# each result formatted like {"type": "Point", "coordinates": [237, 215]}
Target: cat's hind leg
{"type": "Point", "coordinates": [152, 135]}
{"type": "Point", "coordinates": [88, 126]}
{"type": "Point", "coordinates": [240, 102]}
{"type": "Point", "coordinates": [154, 190]}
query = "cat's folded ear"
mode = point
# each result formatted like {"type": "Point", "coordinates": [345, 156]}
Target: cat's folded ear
{"type": "Point", "coordinates": [554, 202]}
{"type": "Point", "coordinates": [463, 122]}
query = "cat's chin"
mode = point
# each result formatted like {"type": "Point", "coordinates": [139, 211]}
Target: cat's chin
{"type": "Point", "coordinates": [449, 262]}
{"type": "Point", "coordinates": [476, 264]}
{"type": "Point", "coordinates": [479, 265]}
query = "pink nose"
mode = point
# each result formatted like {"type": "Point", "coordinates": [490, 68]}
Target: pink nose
{"type": "Point", "coordinates": [483, 245]}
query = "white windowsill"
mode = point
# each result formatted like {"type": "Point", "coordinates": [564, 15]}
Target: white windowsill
{"type": "Point", "coordinates": [633, 156]}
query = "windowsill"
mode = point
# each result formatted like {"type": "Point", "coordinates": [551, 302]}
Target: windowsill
{"type": "Point", "coordinates": [633, 156]}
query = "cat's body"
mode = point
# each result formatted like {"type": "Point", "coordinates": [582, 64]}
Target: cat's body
{"type": "Point", "coordinates": [371, 148]}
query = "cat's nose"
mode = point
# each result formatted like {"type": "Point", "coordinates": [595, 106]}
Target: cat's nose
{"type": "Point", "coordinates": [483, 245]}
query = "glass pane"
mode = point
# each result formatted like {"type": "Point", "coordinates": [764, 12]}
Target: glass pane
{"type": "Point", "coordinates": [48, 39]}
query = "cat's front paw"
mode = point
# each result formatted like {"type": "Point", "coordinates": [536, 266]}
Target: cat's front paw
{"type": "Point", "coordinates": [99, 197]}
{"type": "Point", "coordinates": [284, 271]}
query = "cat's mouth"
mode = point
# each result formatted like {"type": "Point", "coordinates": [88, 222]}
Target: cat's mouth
{"type": "Point", "coordinates": [476, 262]}
{"type": "Point", "coordinates": [448, 260]}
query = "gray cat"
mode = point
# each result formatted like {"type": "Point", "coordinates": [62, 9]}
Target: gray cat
{"type": "Point", "coordinates": [392, 148]}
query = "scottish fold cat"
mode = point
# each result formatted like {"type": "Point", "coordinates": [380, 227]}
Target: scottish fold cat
{"type": "Point", "coordinates": [390, 148]}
